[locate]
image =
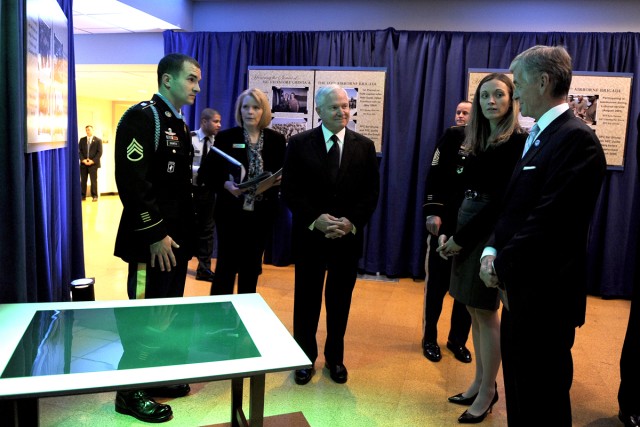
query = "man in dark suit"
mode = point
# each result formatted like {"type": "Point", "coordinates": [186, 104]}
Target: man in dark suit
{"type": "Point", "coordinates": [629, 392]}
{"type": "Point", "coordinates": [330, 182]}
{"type": "Point", "coordinates": [537, 252]}
{"type": "Point", "coordinates": [90, 149]}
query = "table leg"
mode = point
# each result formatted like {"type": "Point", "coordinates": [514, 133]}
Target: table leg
{"type": "Point", "coordinates": [20, 412]}
{"type": "Point", "coordinates": [237, 414]}
{"type": "Point", "coordinates": [256, 400]}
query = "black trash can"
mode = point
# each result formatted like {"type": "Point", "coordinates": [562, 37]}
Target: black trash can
{"type": "Point", "coordinates": [82, 289]}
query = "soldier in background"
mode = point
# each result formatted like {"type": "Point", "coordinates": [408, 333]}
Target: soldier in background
{"type": "Point", "coordinates": [441, 203]}
{"type": "Point", "coordinates": [204, 196]}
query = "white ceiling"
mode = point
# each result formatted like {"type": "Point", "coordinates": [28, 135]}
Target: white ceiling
{"type": "Point", "coordinates": [112, 16]}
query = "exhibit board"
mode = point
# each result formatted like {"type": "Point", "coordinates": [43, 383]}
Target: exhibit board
{"type": "Point", "coordinates": [291, 93]}
{"type": "Point", "coordinates": [47, 64]}
{"type": "Point", "coordinates": [601, 100]}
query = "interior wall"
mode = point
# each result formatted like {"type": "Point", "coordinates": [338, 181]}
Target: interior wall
{"type": "Point", "coordinates": [412, 15]}
{"type": "Point", "coordinates": [432, 15]}
{"type": "Point", "coordinates": [130, 48]}
{"type": "Point", "coordinates": [97, 113]}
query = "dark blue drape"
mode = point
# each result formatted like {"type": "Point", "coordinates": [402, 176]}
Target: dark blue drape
{"type": "Point", "coordinates": [426, 78]}
{"type": "Point", "coordinates": [41, 218]}
{"type": "Point", "coordinates": [13, 238]}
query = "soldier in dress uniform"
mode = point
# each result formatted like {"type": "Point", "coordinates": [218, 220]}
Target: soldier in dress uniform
{"type": "Point", "coordinates": [153, 169]}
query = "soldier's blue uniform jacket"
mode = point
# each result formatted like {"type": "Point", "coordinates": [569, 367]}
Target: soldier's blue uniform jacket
{"type": "Point", "coordinates": [153, 160]}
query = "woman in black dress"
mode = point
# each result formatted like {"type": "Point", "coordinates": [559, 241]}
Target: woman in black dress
{"type": "Point", "coordinates": [494, 141]}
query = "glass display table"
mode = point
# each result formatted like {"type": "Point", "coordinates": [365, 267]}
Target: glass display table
{"type": "Point", "coordinates": [56, 349]}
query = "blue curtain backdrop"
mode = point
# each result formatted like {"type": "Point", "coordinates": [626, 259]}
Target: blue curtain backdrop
{"type": "Point", "coordinates": [40, 218]}
{"type": "Point", "coordinates": [426, 78]}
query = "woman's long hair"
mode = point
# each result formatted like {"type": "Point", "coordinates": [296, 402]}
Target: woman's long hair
{"type": "Point", "coordinates": [478, 134]}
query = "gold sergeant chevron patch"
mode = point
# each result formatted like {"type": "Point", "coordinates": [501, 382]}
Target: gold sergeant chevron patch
{"type": "Point", "coordinates": [135, 151]}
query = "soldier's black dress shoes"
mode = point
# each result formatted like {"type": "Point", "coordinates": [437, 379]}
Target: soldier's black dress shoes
{"type": "Point", "coordinates": [139, 405]}
{"type": "Point", "coordinates": [177, 390]}
{"type": "Point", "coordinates": [205, 275]}
{"type": "Point", "coordinates": [431, 351]}
{"type": "Point", "coordinates": [303, 376]}
{"type": "Point", "coordinates": [629, 420]}
{"type": "Point", "coordinates": [337, 372]}
{"type": "Point", "coordinates": [461, 352]}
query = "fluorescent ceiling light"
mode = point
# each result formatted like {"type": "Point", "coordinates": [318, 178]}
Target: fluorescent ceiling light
{"type": "Point", "coordinates": [112, 16]}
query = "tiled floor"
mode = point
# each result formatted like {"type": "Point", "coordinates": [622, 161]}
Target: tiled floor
{"type": "Point", "coordinates": [390, 382]}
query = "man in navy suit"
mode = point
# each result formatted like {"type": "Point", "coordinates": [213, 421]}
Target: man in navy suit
{"type": "Point", "coordinates": [629, 392]}
{"type": "Point", "coordinates": [330, 181]}
{"type": "Point", "coordinates": [90, 150]}
{"type": "Point", "coordinates": [537, 252]}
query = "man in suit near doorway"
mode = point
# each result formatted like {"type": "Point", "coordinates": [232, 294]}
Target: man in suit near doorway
{"type": "Point", "coordinates": [537, 252]}
{"type": "Point", "coordinates": [330, 182]}
{"type": "Point", "coordinates": [90, 149]}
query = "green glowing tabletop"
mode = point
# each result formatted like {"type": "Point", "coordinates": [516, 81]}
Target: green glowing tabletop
{"type": "Point", "coordinates": [84, 347]}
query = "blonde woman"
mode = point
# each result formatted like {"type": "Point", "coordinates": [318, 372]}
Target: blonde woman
{"type": "Point", "coordinates": [244, 219]}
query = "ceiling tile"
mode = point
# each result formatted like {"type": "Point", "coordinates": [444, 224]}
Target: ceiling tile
{"type": "Point", "coordinates": [111, 16]}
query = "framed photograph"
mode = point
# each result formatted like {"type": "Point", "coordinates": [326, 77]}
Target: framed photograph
{"type": "Point", "coordinates": [47, 80]}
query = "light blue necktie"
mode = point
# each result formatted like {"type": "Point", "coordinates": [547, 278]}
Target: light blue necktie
{"type": "Point", "coordinates": [532, 137]}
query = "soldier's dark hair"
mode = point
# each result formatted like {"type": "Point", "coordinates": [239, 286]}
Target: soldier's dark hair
{"type": "Point", "coordinates": [172, 64]}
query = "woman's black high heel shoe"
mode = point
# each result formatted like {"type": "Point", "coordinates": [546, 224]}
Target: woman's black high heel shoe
{"type": "Point", "coordinates": [459, 399]}
{"type": "Point", "coordinates": [467, 418]}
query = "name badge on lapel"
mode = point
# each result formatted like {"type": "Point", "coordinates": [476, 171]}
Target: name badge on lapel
{"type": "Point", "coordinates": [239, 145]}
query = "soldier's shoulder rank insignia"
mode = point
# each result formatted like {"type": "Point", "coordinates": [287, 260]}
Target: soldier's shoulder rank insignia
{"type": "Point", "coordinates": [135, 152]}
